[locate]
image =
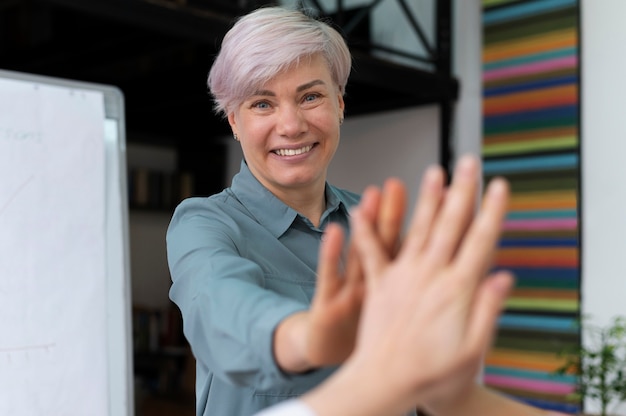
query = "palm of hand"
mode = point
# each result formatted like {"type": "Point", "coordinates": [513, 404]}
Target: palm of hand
{"type": "Point", "coordinates": [333, 323]}
{"type": "Point", "coordinates": [336, 308]}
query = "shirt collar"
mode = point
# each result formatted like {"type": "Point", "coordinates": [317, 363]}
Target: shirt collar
{"type": "Point", "coordinates": [270, 211]}
{"type": "Point", "coordinates": [334, 201]}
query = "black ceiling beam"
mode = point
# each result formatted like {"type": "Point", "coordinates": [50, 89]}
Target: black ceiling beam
{"type": "Point", "coordinates": [158, 15]}
{"type": "Point", "coordinates": [210, 27]}
{"type": "Point", "coordinates": [404, 80]}
{"type": "Point", "coordinates": [443, 33]}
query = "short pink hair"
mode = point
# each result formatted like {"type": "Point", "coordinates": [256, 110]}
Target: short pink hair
{"type": "Point", "coordinates": [267, 41]}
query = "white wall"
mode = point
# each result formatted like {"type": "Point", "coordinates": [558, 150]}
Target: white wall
{"type": "Point", "coordinates": [603, 148]}
{"type": "Point", "coordinates": [603, 168]}
{"type": "Point", "coordinates": [467, 66]}
{"type": "Point", "coordinates": [374, 147]}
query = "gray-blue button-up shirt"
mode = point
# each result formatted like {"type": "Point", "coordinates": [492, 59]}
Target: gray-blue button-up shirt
{"type": "Point", "coordinates": [241, 261]}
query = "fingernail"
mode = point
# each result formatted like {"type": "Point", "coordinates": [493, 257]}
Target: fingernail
{"type": "Point", "coordinates": [431, 174]}
{"type": "Point", "coordinates": [498, 186]}
{"type": "Point", "coordinates": [466, 165]}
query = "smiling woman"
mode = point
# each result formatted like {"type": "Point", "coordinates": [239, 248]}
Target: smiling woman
{"type": "Point", "coordinates": [289, 132]}
{"type": "Point", "coordinates": [244, 262]}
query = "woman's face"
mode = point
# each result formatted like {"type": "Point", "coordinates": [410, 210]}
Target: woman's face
{"type": "Point", "coordinates": [289, 128]}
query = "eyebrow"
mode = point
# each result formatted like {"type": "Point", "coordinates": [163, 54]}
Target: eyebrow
{"type": "Point", "coordinates": [301, 88]}
{"type": "Point", "coordinates": [309, 85]}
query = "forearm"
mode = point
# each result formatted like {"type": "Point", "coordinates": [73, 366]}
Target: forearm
{"type": "Point", "coordinates": [352, 392]}
{"type": "Point", "coordinates": [484, 402]}
{"type": "Point", "coordinates": [290, 344]}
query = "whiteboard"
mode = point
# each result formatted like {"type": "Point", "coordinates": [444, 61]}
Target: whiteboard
{"type": "Point", "coordinates": [65, 297]}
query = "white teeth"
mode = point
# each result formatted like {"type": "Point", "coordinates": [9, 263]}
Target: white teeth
{"type": "Point", "coordinates": [293, 152]}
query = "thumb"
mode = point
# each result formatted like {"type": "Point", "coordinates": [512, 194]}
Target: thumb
{"type": "Point", "coordinates": [328, 268]}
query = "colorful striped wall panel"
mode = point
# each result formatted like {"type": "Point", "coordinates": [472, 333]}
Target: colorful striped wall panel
{"type": "Point", "coordinates": [531, 137]}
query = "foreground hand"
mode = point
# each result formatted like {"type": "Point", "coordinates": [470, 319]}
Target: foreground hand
{"type": "Point", "coordinates": [429, 315]}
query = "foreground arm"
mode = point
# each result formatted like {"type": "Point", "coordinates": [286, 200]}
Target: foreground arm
{"type": "Point", "coordinates": [429, 314]}
{"type": "Point", "coordinates": [484, 402]}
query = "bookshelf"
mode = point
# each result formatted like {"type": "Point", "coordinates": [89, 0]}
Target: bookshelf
{"type": "Point", "coordinates": [162, 357]}
{"type": "Point", "coordinates": [160, 176]}
{"type": "Point", "coordinates": [158, 190]}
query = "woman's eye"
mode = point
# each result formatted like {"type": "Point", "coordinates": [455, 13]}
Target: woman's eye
{"type": "Point", "coordinates": [311, 97]}
{"type": "Point", "coordinates": [262, 105]}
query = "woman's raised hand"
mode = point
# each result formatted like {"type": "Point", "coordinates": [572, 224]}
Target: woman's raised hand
{"type": "Point", "coordinates": [334, 314]}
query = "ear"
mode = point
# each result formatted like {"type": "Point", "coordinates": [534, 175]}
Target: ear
{"type": "Point", "coordinates": [342, 105]}
{"type": "Point", "coordinates": [232, 122]}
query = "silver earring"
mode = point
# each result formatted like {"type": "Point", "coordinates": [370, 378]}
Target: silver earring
{"type": "Point", "coordinates": [235, 137]}
{"type": "Point", "coordinates": [340, 120]}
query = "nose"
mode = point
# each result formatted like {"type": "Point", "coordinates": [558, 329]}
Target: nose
{"type": "Point", "coordinates": [291, 121]}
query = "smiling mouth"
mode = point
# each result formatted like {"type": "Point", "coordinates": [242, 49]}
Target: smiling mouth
{"type": "Point", "coordinates": [293, 152]}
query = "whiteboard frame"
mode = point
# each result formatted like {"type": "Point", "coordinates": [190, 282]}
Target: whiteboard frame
{"type": "Point", "coordinates": [118, 287]}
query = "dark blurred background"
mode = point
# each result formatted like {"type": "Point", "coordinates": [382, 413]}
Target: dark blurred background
{"type": "Point", "coordinates": [158, 52]}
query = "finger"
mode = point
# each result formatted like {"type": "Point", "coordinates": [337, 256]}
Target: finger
{"type": "Point", "coordinates": [391, 214]}
{"type": "Point", "coordinates": [476, 252]}
{"type": "Point", "coordinates": [370, 202]}
{"type": "Point", "coordinates": [369, 206]}
{"type": "Point", "coordinates": [329, 269]}
{"type": "Point", "coordinates": [353, 270]}
{"type": "Point", "coordinates": [425, 211]}
{"type": "Point", "coordinates": [487, 307]}
{"type": "Point", "coordinates": [456, 212]}
{"type": "Point", "coordinates": [372, 254]}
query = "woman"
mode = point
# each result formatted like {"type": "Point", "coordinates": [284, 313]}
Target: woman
{"type": "Point", "coordinates": [244, 262]}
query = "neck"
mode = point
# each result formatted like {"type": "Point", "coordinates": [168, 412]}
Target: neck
{"type": "Point", "coordinates": [309, 202]}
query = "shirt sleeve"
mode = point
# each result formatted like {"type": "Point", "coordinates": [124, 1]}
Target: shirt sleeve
{"type": "Point", "coordinates": [289, 408]}
{"type": "Point", "coordinates": [229, 315]}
